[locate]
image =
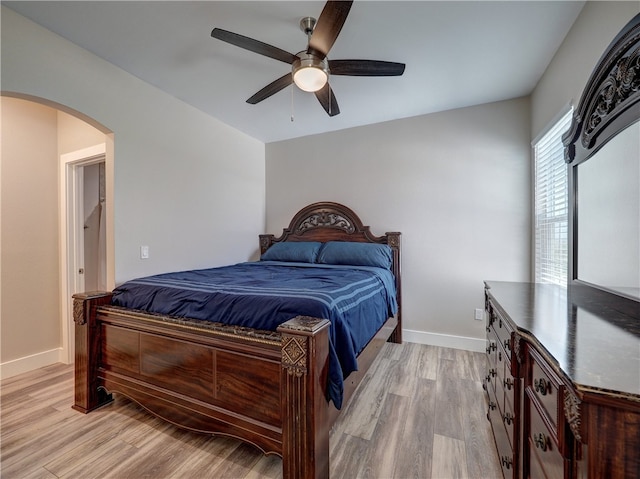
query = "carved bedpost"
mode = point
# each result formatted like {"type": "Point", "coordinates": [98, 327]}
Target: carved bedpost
{"type": "Point", "coordinates": [266, 241]}
{"type": "Point", "coordinates": [87, 340]}
{"type": "Point", "coordinates": [393, 241]}
{"type": "Point", "coordinates": [305, 408]}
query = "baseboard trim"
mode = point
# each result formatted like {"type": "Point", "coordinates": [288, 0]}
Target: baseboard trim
{"type": "Point", "coordinates": [444, 340]}
{"type": "Point", "coordinates": [29, 363]}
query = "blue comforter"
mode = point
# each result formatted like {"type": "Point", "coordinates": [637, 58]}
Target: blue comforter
{"type": "Point", "coordinates": [262, 295]}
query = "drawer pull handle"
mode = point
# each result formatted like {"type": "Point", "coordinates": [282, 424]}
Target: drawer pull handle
{"type": "Point", "coordinates": [492, 372]}
{"type": "Point", "coordinates": [507, 344]}
{"type": "Point", "coordinates": [507, 462]}
{"type": "Point", "coordinates": [500, 323]}
{"type": "Point", "coordinates": [508, 419]}
{"type": "Point", "coordinates": [492, 407]}
{"type": "Point", "coordinates": [508, 383]}
{"type": "Point", "coordinates": [491, 347]}
{"type": "Point", "coordinates": [500, 356]}
{"type": "Point", "coordinates": [542, 386]}
{"type": "Point", "coordinates": [542, 442]}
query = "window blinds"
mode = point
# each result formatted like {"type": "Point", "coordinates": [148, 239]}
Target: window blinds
{"type": "Point", "coordinates": [551, 205]}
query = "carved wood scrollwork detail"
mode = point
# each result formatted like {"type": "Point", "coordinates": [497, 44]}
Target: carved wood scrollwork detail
{"type": "Point", "coordinates": [517, 348]}
{"type": "Point", "coordinates": [294, 355]}
{"type": "Point", "coordinates": [572, 413]}
{"type": "Point", "coordinates": [265, 242]}
{"type": "Point", "coordinates": [326, 219]}
{"type": "Point", "coordinates": [78, 312]}
{"type": "Point", "coordinates": [393, 240]}
{"type": "Point", "coordinates": [622, 82]}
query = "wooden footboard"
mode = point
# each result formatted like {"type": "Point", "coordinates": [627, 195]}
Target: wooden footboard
{"type": "Point", "coordinates": [265, 388]}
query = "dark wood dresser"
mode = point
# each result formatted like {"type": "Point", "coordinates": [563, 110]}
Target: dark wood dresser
{"type": "Point", "coordinates": [563, 383]}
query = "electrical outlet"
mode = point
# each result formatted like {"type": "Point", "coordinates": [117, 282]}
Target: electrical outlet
{"type": "Point", "coordinates": [144, 252]}
{"type": "Point", "coordinates": [479, 314]}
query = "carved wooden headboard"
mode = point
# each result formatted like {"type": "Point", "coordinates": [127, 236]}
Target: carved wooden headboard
{"type": "Point", "coordinates": [327, 221]}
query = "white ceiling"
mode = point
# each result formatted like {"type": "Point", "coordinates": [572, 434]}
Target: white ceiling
{"type": "Point", "coordinates": [457, 54]}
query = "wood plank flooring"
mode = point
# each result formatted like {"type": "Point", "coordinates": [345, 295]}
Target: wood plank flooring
{"type": "Point", "coordinates": [419, 413]}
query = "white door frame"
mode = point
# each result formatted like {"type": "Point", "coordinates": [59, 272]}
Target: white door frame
{"type": "Point", "coordinates": [72, 235]}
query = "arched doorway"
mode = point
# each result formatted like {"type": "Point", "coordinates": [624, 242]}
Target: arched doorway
{"type": "Point", "coordinates": [38, 137]}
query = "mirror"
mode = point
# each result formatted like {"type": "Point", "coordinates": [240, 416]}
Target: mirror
{"type": "Point", "coordinates": [608, 215]}
{"type": "Point", "coordinates": [602, 148]}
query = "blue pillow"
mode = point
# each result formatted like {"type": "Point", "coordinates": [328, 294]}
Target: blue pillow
{"type": "Point", "coordinates": [294, 251]}
{"type": "Point", "coordinates": [356, 254]}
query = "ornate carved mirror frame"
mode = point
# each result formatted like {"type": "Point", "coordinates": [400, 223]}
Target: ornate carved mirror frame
{"type": "Point", "coordinates": [609, 104]}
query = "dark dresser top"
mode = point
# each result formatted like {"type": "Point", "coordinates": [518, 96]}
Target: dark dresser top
{"type": "Point", "coordinates": [595, 346]}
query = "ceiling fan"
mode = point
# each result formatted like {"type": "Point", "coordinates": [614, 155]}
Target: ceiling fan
{"type": "Point", "coordinates": [310, 68]}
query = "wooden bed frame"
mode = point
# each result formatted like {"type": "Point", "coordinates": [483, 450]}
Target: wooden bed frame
{"type": "Point", "coordinates": [265, 388]}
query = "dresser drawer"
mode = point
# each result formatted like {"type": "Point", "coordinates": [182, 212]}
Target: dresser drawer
{"type": "Point", "coordinates": [543, 449]}
{"type": "Point", "coordinates": [503, 363]}
{"type": "Point", "coordinates": [536, 470]}
{"type": "Point", "coordinates": [509, 384]}
{"type": "Point", "coordinates": [492, 404]}
{"type": "Point", "coordinates": [509, 418]}
{"type": "Point", "coordinates": [492, 358]}
{"type": "Point", "coordinates": [503, 331]}
{"type": "Point", "coordinates": [503, 369]}
{"type": "Point", "coordinates": [545, 387]}
{"type": "Point", "coordinates": [503, 445]}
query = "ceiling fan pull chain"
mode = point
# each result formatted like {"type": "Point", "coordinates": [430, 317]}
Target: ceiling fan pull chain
{"type": "Point", "coordinates": [329, 93]}
{"type": "Point", "coordinates": [292, 103]}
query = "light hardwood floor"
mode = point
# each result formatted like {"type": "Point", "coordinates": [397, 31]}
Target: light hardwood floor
{"type": "Point", "coordinates": [419, 413]}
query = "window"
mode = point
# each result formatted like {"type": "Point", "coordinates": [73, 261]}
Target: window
{"type": "Point", "coordinates": [551, 205]}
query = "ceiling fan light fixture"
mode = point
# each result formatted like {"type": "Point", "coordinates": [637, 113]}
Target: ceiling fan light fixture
{"type": "Point", "coordinates": [310, 73]}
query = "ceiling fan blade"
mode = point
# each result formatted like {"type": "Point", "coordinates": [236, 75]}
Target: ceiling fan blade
{"type": "Point", "coordinates": [253, 45]}
{"type": "Point", "coordinates": [327, 28]}
{"type": "Point", "coordinates": [271, 89]}
{"type": "Point", "coordinates": [366, 68]}
{"type": "Point", "coordinates": [323, 96]}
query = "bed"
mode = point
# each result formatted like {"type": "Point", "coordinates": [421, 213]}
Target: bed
{"type": "Point", "coordinates": [274, 375]}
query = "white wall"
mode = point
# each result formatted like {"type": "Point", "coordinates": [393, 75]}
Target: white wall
{"type": "Point", "coordinates": [33, 138]}
{"type": "Point", "coordinates": [75, 134]}
{"type": "Point", "coordinates": [186, 185]}
{"type": "Point", "coordinates": [29, 316]}
{"type": "Point", "coordinates": [456, 184]}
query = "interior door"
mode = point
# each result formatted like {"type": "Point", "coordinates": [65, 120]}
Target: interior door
{"type": "Point", "coordinates": [93, 224]}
